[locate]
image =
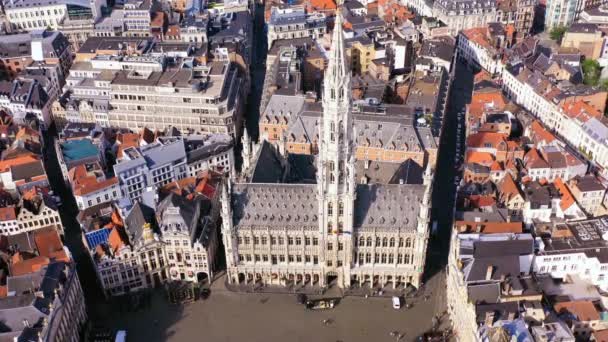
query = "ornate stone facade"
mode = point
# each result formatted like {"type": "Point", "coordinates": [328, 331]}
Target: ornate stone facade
{"type": "Point", "coordinates": [294, 219]}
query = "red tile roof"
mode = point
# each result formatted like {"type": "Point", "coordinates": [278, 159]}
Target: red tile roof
{"type": "Point", "coordinates": [479, 36]}
{"type": "Point", "coordinates": [8, 213]}
{"type": "Point", "coordinates": [482, 158]}
{"type": "Point", "coordinates": [488, 227]}
{"type": "Point", "coordinates": [567, 198]}
{"type": "Point", "coordinates": [540, 134]}
{"type": "Point", "coordinates": [84, 183]}
{"type": "Point", "coordinates": [478, 201]}
{"type": "Point", "coordinates": [481, 139]}
{"type": "Point", "coordinates": [584, 310]}
{"type": "Point", "coordinates": [581, 110]}
{"type": "Point", "coordinates": [5, 165]}
{"type": "Point", "coordinates": [484, 102]}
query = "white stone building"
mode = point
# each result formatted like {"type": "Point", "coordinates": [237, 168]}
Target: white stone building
{"type": "Point", "coordinates": [294, 22]}
{"type": "Point", "coordinates": [152, 165]}
{"type": "Point", "coordinates": [29, 15]}
{"type": "Point", "coordinates": [280, 229]}
{"type": "Point", "coordinates": [581, 253]}
{"type": "Point", "coordinates": [462, 15]}
{"type": "Point", "coordinates": [190, 236]}
{"type": "Point", "coordinates": [214, 152]}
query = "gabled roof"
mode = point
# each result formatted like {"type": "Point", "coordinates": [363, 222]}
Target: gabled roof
{"type": "Point", "coordinates": [539, 134]}
{"type": "Point", "coordinates": [508, 188]}
{"type": "Point", "coordinates": [533, 160]}
{"type": "Point", "coordinates": [567, 199]}
{"type": "Point", "coordinates": [486, 140]}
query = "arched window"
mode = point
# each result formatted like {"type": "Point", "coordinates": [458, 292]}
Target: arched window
{"type": "Point", "coordinates": [408, 243]}
{"type": "Point", "coordinates": [383, 260]}
{"type": "Point", "coordinates": [369, 241]}
{"type": "Point", "coordinates": [362, 241]}
{"type": "Point", "coordinates": [391, 258]}
{"type": "Point", "coordinates": [332, 178]}
{"type": "Point", "coordinates": [391, 242]}
{"type": "Point", "coordinates": [384, 242]}
{"type": "Point", "coordinates": [400, 242]}
{"type": "Point", "coordinates": [330, 209]}
{"type": "Point", "coordinates": [407, 258]}
{"type": "Point", "coordinates": [340, 208]}
{"type": "Point", "coordinates": [377, 242]}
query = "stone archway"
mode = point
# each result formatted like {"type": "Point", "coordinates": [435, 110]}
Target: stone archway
{"type": "Point", "coordinates": [331, 278]}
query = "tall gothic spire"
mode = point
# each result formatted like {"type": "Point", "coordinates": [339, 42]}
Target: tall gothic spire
{"type": "Point", "coordinates": [337, 75]}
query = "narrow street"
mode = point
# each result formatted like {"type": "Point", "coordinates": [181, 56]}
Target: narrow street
{"type": "Point", "coordinates": [258, 73]}
{"type": "Point", "coordinates": [73, 237]}
{"type": "Point", "coordinates": [444, 192]}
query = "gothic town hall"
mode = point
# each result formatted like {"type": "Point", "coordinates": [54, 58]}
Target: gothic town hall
{"type": "Point", "coordinates": [296, 220]}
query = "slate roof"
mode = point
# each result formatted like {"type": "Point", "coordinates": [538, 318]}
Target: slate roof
{"type": "Point", "coordinates": [194, 213]}
{"type": "Point", "coordinates": [139, 215]}
{"type": "Point", "coordinates": [284, 205]}
{"type": "Point", "coordinates": [389, 173]}
{"type": "Point", "coordinates": [390, 206]}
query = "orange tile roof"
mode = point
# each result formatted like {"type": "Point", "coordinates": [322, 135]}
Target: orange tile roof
{"type": "Point", "coordinates": [600, 336]}
{"type": "Point", "coordinates": [534, 160]}
{"type": "Point", "coordinates": [84, 183]}
{"type": "Point", "coordinates": [540, 133]}
{"type": "Point", "coordinates": [8, 213]}
{"type": "Point", "coordinates": [567, 198]}
{"type": "Point", "coordinates": [483, 158]}
{"type": "Point", "coordinates": [483, 102]}
{"type": "Point", "coordinates": [323, 4]}
{"type": "Point", "coordinates": [584, 310]}
{"type": "Point", "coordinates": [115, 240]}
{"type": "Point", "coordinates": [29, 266]}
{"type": "Point", "coordinates": [48, 241]}
{"type": "Point", "coordinates": [480, 139]}
{"type": "Point", "coordinates": [479, 201]}
{"type": "Point", "coordinates": [482, 76]}
{"type": "Point", "coordinates": [581, 110]}
{"type": "Point", "coordinates": [126, 140]}
{"type": "Point", "coordinates": [5, 165]}
{"type": "Point", "coordinates": [508, 188]}
{"type": "Point", "coordinates": [489, 227]}
{"type": "Point", "coordinates": [496, 166]}
{"type": "Point", "coordinates": [478, 35]}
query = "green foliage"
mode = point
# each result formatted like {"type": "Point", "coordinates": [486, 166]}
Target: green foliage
{"type": "Point", "coordinates": [591, 72]}
{"type": "Point", "coordinates": [557, 33]}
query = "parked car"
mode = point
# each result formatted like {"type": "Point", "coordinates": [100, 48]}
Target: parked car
{"type": "Point", "coordinates": [396, 303]}
{"type": "Point", "coordinates": [321, 304]}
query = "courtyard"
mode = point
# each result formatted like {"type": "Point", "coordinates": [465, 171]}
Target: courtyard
{"type": "Point", "coordinates": [230, 316]}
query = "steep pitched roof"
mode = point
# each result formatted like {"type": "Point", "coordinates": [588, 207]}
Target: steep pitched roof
{"type": "Point", "coordinates": [539, 134]}
{"type": "Point", "coordinates": [567, 199]}
{"type": "Point", "coordinates": [486, 140]}
{"type": "Point", "coordinates": [584, 310]}
{"type": "Point", "coordinates": [508, 188]}
{"type": "Point", "coordinates": [483, 158]}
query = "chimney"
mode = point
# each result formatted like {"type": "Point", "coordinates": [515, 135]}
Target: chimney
{"type": "Point", "coordinates": [489, 272]}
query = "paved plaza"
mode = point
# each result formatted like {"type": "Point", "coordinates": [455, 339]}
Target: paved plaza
{"type": "Point", "coordinates": [229, 316]}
